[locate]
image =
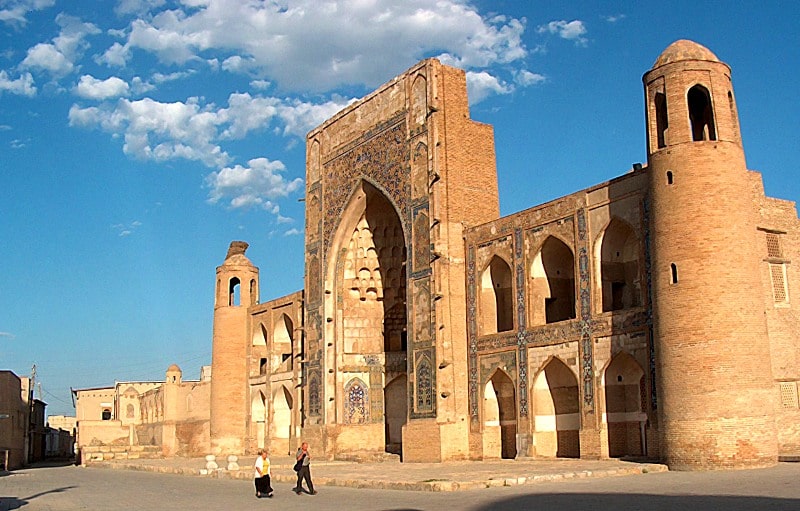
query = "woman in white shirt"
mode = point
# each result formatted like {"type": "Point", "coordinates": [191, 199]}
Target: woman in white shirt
{"type": "Point", "coordinates": [262, 479]}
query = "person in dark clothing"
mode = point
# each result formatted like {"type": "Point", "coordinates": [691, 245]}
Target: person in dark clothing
{"type": "Point", "coordinates": [304, 470]}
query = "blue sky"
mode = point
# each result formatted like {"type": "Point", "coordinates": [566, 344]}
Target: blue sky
{"type": "Point", "coordinates": [139, 137]}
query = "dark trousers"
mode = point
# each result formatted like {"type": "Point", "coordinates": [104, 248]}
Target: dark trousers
{"type": "Point", "coordinates": [304, 473]}
{"type": "Point", "coordinates": [263, 484]}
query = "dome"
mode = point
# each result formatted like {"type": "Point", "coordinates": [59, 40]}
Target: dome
{"type": "Point", "coordinates": [174, 369]}
{"type": "Point", "coordinates": [236, 255]}
{"type": "Point", "coordinates": [684, 50]}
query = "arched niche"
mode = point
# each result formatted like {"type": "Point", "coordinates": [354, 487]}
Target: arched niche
{"type": "Point", "coordinates": [620, 267]}
{"type": "Point", "coordinates": [556, 408]}
{"type": "Point", "coordinates": [625, 397]}
{"type": "Point", "coordinates": [496, 297]}
{"type": "Point", "coordinates": [552, 276]}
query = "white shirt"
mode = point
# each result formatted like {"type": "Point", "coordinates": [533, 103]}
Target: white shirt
{"type": "Point", "coordinates": [260, 464]}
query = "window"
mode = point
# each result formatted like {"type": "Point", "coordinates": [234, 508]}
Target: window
{"type": "Point", "coordinates": [662, 122]}
{"type": "Point", "coordinates": [774, 245]}
{"type": "Point", "coordinates": [734, 117]}
{"type": "Point", "coordinates": [777, 268]}
{"type": "Point", "coordinates": [701, 114]}
{"type": "Point", "coordinates": [670, 179]}
{"type": "Point", "coordinates": [780, 291]}
{"type": "Point", "coordinates": [789, 394]}
{"type": "Point", "coordinates": [106, 414]}
{"type": "Point", "coordinates": [674, 270]}
{"type": "Point", "coordinates": [234, 290]}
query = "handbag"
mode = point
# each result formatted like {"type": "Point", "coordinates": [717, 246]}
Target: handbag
{"type": "Point", "coordinates": [299, 464]}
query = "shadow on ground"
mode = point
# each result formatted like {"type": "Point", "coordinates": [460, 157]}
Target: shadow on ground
{"type": "Point", "coordinates": [638, 502]}
{"type": "Point", "coordinates": [7, 503]}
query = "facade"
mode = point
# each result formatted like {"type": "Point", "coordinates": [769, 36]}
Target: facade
{"type": "Point", "coordinates": [637, 318]}
{"type": "Point", "coordinates": [37, 432]}
{"type": "Point", "coordinates": [653, 315]}
{"type": "Point", "coordinates": [137, 419]}
{"type": "Point", "coordinates": [23, 430]}
{"type": "Point", "coordinates": [15, 415]}
{"type": "Point", "coordinates": [60, 436]}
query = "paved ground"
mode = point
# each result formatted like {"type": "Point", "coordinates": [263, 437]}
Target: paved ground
{"type": "Point", "coordinates": [393, 475]}
{"type": "Point", "coordinates": [69, 488]}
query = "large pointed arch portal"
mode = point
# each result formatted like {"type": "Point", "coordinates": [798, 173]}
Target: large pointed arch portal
{"type": "Point", "coordinates": [368, 316]}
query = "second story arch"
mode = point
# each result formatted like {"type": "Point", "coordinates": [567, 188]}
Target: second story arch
{"type": "Point", "coordinates": [552, 274]}
{"type": "Point", "coordinates": [496, 297]}
{"type": "Point", "coordinates": [619, 254]}
{"type": "Point", "coordinates": [283, 343]}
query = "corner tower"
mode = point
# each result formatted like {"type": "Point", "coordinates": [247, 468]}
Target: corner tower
{"type": "Point", "coordinates": [712, 350]}
{"type": "Point", "coordinates": [236, 291]}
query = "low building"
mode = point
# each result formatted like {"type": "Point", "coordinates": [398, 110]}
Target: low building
{"type": "Point", "coordinates": [19, 422]}
{"type": "Point", "coordinates": [138, 418]}
{"type": "Point", "coordinates": [60, 436]}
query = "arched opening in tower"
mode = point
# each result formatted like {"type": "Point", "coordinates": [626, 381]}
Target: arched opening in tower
{"type": "Point", "coordinates": [662, 121]}
{"type": "Point", "coordinates": [701, 114]}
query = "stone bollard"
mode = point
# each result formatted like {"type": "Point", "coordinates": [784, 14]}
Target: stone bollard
{"type": "Point", "coordinates": [211, 462]}
{"type": "Point", "coordinates": [233, 463]}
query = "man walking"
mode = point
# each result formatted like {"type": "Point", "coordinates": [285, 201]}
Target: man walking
{"type": "Point", "coordinates": [304, 470]}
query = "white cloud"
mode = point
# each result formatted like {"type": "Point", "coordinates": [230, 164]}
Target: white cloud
{"type": "Point", "coordinates": [614, 18]}
{"type": "Point", "coordinates": [480, 85]}
{"type": "Point", "coordinates": [189, 130]}
{"type": "Point", "coordinates": [7, 334]}
{"type": "Point", "coordinates": [139, 7]}
{"type": "Point", "coordinates": [162, 78]}
{"type": "Point", "coordinates": [526, 78]}
{"type": "Point", "coordinates": [14, 11]}
{"type": "Point", "coordinates": [139, 86]}
{"type": "Point", "coordinates": [258, 184]}
{"type": "Point", "coordinates": [46, 57]}
{"type": "Point", "coordinates": [301, 117]}
{"type": "Point", "coordinates": [158, 131]}
{"type": "Point", "coordinates": [116, 55]}
{"type": "Point", "coordinates": [58, 58]}
{"type": "Point", "coordinates": [246, 113]}
{"type": "Point", "coordinates": [260, 84]}
{"type": "Point", "coordinates": [91, 88]}
{"type": "Point", "coordinates": [571, 30]}
{"type": "Point", "coordinates": [22, 86]}
{"type": "Point", "coordinates": [124, 230]}
{"type": "Point", "coordinates": [292, 232]}
{"type": "Point", "coordinates": [309, 45]}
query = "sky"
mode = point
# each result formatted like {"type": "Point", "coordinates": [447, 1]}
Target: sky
{"type": "Point", "coordinates": [138, 138]}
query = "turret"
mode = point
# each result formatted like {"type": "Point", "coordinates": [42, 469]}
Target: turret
{"type": "Point", "coordinates": [236, 291]}
{"type": "Point", "coordinates": [714, 384]}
